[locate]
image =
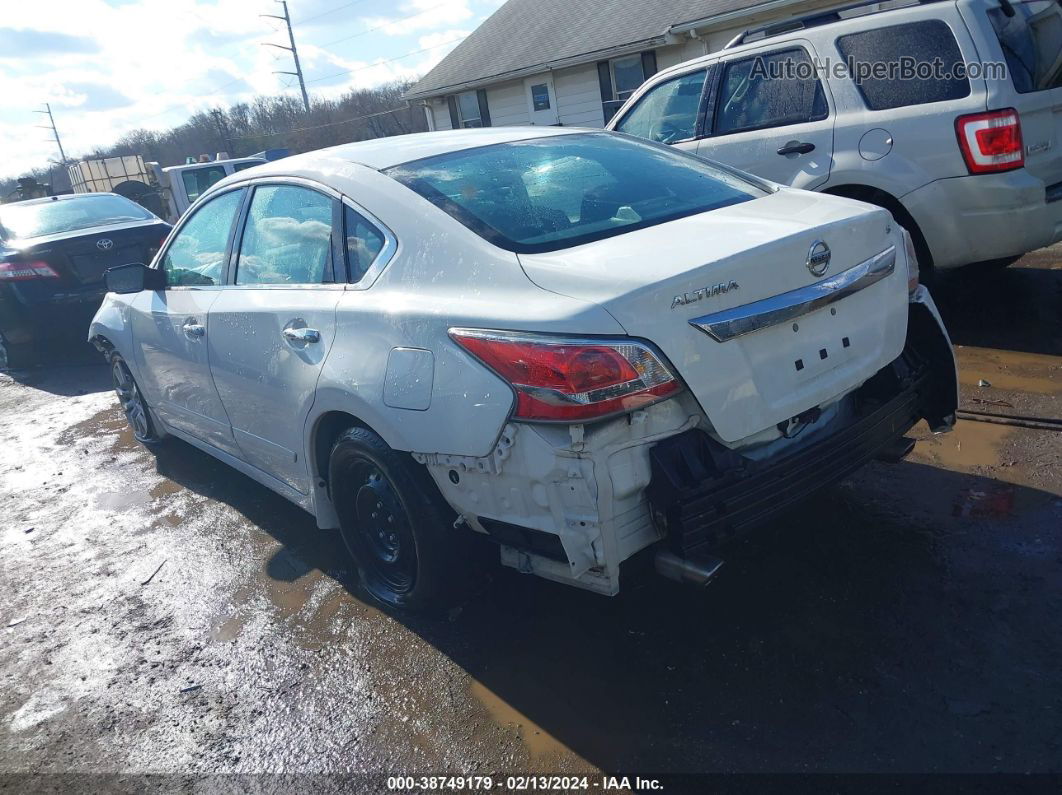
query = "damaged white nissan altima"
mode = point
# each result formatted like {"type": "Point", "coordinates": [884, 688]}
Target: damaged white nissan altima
{"type": "Point", "coordinates": [578, 344]}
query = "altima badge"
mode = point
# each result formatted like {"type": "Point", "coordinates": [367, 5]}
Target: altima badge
{"type": "Point", "coordinates": [819, 258]}
{"type": "Point", "coordinates": [104, 244]}
{"type": "Point", "coordinates": [704, 292]}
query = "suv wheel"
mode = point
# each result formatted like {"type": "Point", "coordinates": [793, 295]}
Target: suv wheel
{"type": "Point", "coordinates": [132, 401]}
{"type": "Point", "coordinates": [395, 525]}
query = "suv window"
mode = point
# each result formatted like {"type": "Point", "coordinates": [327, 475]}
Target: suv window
{"type": "Point", "coordinates": [769, 90]}
{"type": "Point", "coordinates": [197, 254]}
{"type": "Point", "coordinates": [925, 42]}
{"type": "Point", "coordinates": [364, 243]}
{"type": "Point", "coordinates": [1032, 44]}
{"type": "Point", "coordinates": [667, 112]}
{"type": "Point", "coordinates": [288, 237]}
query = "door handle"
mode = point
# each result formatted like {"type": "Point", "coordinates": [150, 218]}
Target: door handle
{"type": "Point", "coordinates": [194, 330]}
{"type": "Point", "coordinates": [797, 148]}
{"type": "Point", "coordinates": [302, 335]}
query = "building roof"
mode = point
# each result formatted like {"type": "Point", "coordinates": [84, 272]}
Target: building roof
{"type": "Point", "coordinates": [523, 34]}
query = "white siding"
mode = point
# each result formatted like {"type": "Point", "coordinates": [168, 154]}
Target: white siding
{"type": "Point", "coordinates": [579, 97]}
{"type": "Point", "coordinates": [666, 57]}
{"type": "Point", "coordinates": [440, 111]}
{"type": "Point", "coordinates": [507, 104]}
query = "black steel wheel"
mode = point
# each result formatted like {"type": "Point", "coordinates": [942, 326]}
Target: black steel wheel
{"type": "Point", "coordinates": [132, 402]}
{"type": "Point", "coordinates": [396, 526]}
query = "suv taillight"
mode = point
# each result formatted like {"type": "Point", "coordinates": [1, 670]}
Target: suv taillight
{"type": "Point", "coordinates": [571, 380]}
{"type": "Point", "coordinates": [24, 271]}
{"type": "Point", "coordinates": [991, 142]}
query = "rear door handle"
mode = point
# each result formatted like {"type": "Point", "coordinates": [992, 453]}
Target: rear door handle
{"type": "Point", "coordinates": [302, 335]}
{"type": "Point", "coordinates": [194, 330]}
{"type": "Point", "coordinates": [797, 148]}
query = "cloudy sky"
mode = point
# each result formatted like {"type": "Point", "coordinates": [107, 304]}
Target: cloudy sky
{"type": "Point", "coordinates": [109, 66]}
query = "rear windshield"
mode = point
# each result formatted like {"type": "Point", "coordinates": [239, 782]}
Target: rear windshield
{"type": "Point", "coordinates": [1032, 44]}
{"type": "Point", "coordinates": [546, 194]}
{"type": "Point", "coordinates": [19, 221]}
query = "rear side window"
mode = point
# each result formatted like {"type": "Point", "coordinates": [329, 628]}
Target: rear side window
{"type": "Point", "coordinates": [875, 59]}
{"type": "Point", "coordinates": [288, 237]}
{"type": "Point", "coordinates": [553, 192]}
{"type": "Point", "coordinates": [364, 243]}
{"type": "Point", "coordinates": [668, 112]}
{"type": "Point", "coordinates": [769, 90]}
{"type": "Point", "coordinates": [1032, 44]}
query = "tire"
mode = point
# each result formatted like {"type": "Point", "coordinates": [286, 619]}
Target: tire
{"type": "Point", "coordinates": [13, 357]}
{"type": "Point", "coordinates": [133, 404]}
{"type": "Point", "coordinates": [396, 526]}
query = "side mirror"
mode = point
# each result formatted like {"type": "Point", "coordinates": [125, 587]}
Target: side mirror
{"type": "Point", "coordinates": [134, 278]}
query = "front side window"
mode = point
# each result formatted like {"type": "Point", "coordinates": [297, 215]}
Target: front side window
{"type": "Point", "coordinates": [627, 75]}
{"type": "Point", "coordinates": [53, 217]}
{"type": "Point", "coordinates": [554, 192]}
{"type": "Point", "coordinates": [196, 256]}
{"type": "Point", "coordinates": [288, 237]}
{"type": "Point", "coordinates": [1032, 44]}
{"type": "Point", "coordinates": [667, 112]}
{"type": "Point", "coordinates": [769, 90]}
{"type": "Point", "coordinates": [364, 243]}
{"type": "Point", "coordinates": [924, 42]}
{"type": "Point", "coordinates": [197, 180]}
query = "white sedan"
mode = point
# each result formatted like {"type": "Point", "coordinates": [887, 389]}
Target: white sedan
{"type": "Point", "coordinates": [576, 343]}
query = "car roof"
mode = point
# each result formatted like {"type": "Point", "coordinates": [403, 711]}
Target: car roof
{"type": "Point", "coordinates": [382, 153]}
{"type": "Point", "coordinates": [61, 198]}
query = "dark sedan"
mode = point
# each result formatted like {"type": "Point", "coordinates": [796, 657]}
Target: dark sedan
{"type": "Point", "coordinates": [53, 253]}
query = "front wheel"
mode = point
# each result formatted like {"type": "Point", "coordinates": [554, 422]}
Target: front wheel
{"type": "Point", "coordinates": [395, 525]}
{"type": "Point", "coordinates": [132, 402]}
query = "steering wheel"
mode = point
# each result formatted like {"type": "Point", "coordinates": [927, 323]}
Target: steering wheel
{"type": "Point", "coordinates": [664, 132]}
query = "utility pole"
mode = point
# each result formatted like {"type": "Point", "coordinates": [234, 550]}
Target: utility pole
{"type": "Point", "coordinates": [55, 132]}
{"type": "Point", "coordinates": [294, 52]}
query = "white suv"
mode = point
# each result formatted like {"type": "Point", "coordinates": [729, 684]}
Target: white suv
{"type": "Point", "coordinates": [970, 162]}
{"type": "Point", "coordinates": [577, 343]}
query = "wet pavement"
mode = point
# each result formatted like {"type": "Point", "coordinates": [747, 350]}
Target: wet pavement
{"type": "Point", "coordinates": [161, 613]}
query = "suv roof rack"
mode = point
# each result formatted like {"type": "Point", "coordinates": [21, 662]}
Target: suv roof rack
{"type": "Point", "coordinates": [815, 20]}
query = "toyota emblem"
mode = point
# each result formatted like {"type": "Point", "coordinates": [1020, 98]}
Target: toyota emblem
{"type": "Point", "coordinates": [104, 244]}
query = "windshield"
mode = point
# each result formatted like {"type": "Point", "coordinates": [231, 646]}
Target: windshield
{"type": "Point", "coordinates": [546, 194]}
{"type": "Point", "coordinates": [1032, 44]}
{"type": "Point", "coordinates": [21, 221]}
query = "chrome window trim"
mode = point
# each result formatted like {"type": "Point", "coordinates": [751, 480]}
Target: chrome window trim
{"type": "Point", "coordinates": [387, 253]}
{"type": "Point", "coordinates": [731, 323]}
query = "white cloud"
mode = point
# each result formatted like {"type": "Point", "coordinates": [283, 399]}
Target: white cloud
{"type": "Point", "coordinates": [422, 15]}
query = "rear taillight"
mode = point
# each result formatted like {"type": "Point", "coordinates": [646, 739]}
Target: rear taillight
{"type": "Point", "coordinates": [24, 271]}
{"type": "Point", "coordinates": [991, 142]}
{"type": "Point", "coordinates": [571, 380]}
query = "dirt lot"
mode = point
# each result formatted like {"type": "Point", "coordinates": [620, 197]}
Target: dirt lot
{"type": "Point", "coordinates": [162, 613]}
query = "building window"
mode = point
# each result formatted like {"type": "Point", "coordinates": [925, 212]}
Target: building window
{"type": "Point", "coordinates": [469, 109]}
{"type": "Point", "coordinates": [620, 77]}
{"type": "Point", "coordinates": [540, 96]}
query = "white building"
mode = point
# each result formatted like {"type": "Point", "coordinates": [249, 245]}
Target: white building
{"type": "Point", "coordinates": [573, 62]}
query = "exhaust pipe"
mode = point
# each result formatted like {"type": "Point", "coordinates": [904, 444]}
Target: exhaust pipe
{"type": "Point", "coordinates": [698, 573]}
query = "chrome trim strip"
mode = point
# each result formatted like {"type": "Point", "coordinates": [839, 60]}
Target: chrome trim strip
{"type": "Point", "coordinates": [731, 323]}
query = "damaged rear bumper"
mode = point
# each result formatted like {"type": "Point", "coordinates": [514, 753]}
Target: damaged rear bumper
{"type": "Point", "coordinates": [703, 493]}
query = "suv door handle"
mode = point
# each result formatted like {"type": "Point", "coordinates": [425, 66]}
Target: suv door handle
{"type": "Point", "coordinates": [302, 335]}
{"type": "Point", "coordinates": [797, 148]}
{"type": "Point", "coordinates": [193, 329]}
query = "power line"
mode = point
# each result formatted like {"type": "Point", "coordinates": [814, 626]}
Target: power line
{"type": "Point", "coordinates": [292, 49]}
{"type": "Point", "coordinates": [319, 126]}
{"type": "Point", "coordinates": [386, 24]}
{"type": "Point", "coordinates": [55, 132]}
{"type": "Point", "coordinates": [326, 13]}
{"type": "Point", "coordinates": [389, 60]}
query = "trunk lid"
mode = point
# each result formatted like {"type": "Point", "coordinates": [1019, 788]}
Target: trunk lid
{"type": "Point", "coordinates": [655, 280]}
